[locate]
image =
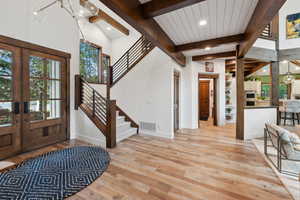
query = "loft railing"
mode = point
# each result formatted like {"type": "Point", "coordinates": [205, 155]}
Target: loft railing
{"type": "Point", "coordinates": [100, 110]}
{"type": "Point", "coordinates": [267, 33]}
{"type": "Point", "coordinates": [271, 30]}
{"type": "Point", "coordinates": [137, 52]}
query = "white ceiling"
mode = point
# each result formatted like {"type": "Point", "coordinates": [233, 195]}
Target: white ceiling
{"type": "Point", "coordinates": [224, 18]}
{"type": "Point", "coordinates": [110, 31]}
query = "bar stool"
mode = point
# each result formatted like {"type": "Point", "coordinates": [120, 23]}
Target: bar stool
{"type": "Point", "coordinates": [290, 111]}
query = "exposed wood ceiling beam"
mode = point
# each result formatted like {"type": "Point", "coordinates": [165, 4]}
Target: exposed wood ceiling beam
{"type": "Point", "coordinates": [128, 10]}
{"type": "Point", "coordinates": [211, 43]}
{"type": "Point", "coordinates": [250, 68]}
{"type": "Point", "coordinates": [256, 68]}
{"type": "Point", "coordinates": [159, 7]}
{"type": "Point", "coordinates": [247, 60]}
{"type": "Point", "coordinates": [295, 62]}
{"type": "Point", "coordinates": [263, 14]}
{"type": "Point", "coordinates": [214, 56]}
{"type": "Point", "coordinates": [103, 16]}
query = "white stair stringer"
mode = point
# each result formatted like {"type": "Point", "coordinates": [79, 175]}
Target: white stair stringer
{"type": "Point", "coordinates": [124, 129]}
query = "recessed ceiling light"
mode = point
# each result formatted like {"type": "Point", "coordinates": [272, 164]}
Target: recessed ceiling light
{"type": "Point", "coordinates": [207, 48]}
{"type": "Point", "coordinates": [35, 13]}
{"type": "Point", "coordinates": [285, 61]}
{"type": "Point", "coordinates": [202, 22]}
{"type": "Point", "coordinates": [108, 28]}
{"type": "Point", "coordinates": [81, 12]}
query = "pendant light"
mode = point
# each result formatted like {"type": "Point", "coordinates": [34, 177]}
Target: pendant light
{"type": "Point", "coordinates": [288, 78]}
{"type": "Point", "coordinates": [69, 7]}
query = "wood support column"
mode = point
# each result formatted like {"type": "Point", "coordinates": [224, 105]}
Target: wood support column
{"type": "Point", "coordinates": [275, 83]}
{"type": "Point", "coordinates": [240, 96]}
{"type": "Point", "coordinates": [274, 70]}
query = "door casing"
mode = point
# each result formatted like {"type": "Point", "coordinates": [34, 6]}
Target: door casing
{"type": "Point", "coordinates": [215, 78]}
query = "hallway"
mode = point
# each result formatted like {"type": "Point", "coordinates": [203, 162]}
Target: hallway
{"type": "Point", "coordinates": [207, 127]}
{"type": "Point", "coordinates": [195, 165]}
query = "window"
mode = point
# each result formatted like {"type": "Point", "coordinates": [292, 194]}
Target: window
{"type": "Point", "coordinates": [283, 91]}
{"type": "Point", "coordinates": [105, 64]}
{"type": "Point", "coordinates": [265, 90]}
{"type": "Point", "coordinates": [90, 62]}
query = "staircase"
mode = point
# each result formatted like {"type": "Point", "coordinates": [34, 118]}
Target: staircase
{"type": "Point", "coordinates": [130, 59]}
{"type": "Point", "coordinates": [107, 116]}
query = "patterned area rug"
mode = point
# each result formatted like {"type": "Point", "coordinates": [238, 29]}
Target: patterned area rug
{"type": "Point", "coordinates": [54, 175]}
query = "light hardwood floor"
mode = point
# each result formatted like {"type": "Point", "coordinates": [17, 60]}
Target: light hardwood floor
{"type": "Point", "coordinates": [206, 164]}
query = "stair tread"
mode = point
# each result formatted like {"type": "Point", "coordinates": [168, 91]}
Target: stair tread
{"type": "Point", "coordinates": [128, 130]}
{"type": "Point", "coordinates": [125, 123]}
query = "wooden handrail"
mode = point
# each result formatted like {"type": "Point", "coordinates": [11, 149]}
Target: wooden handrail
{"type": "Point", "coordinates": [131, 57]}
{"type": "Point", "coordinates": [101, 111]}
{"type": "Point", "coordinates": [127, 118]}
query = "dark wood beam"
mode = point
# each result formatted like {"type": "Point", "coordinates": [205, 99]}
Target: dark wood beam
{"type": "Point", "coordinates": [214, 56]}
{"type": "Point", "coordinates": [159, 7]}
{"type": "Point", "coordinates": [255, 67]}
{"type": "Point", "coordinates": [263, 14]}
{"type": "Point", "coordinates": [296, 62]}
{"type": "Point", "coordinates": [130, 12]}
{"type": "Point", "coordinates": [103, 16]}
{"type": "Point", "coordinates": [210, 43]}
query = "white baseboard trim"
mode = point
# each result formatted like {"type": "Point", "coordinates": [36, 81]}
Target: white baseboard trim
{"type": "Point", "coordinates": [157, 134]}
{"type": "Point", "coordinates": [92, 140]}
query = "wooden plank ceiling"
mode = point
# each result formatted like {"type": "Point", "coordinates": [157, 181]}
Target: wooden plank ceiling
{"type": "Point", "coordinates": [251, 66]}
{"type": "Point", "coordinates": [198, 27]}
{"type": "Point", "coordinates": [224, 18]}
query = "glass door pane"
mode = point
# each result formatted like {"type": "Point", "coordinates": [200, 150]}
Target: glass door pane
{"type": "Point", "coordinates": [45, 88]}
{"type": "Point", "coordinates": [10, 123]}
{"type": "Point", "coordinates": [6, 87]}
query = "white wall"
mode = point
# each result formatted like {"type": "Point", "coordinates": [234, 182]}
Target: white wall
{"type": "Point", "coordinates": [54, 29]}
{"type": "Point", "coordinates": [255, 120]}
{"type": "Point", "coordinates": [190, 95]}
{"type": "Point", "coordinates": [262, 43]}
{"type": "Point", "coordinates": [146, 93]}
{"type": "Point", "coordinates": [290, 7]}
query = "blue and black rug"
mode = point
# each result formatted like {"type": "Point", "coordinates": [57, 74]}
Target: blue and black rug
{"type": "Point", "coordinates": [54, 175]}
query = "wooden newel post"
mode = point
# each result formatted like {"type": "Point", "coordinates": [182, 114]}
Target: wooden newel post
{"type": "Point", "coordinates": [78, 91]}
{"type": "Point", "coordinates": [111, 139]}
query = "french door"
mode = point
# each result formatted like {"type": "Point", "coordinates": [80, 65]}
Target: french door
{"type": "Point", "coordinates": [33, 97]}
{"type": "Point", "coordinates": [10, 98]}
{"type": "Point", "coordinates": [44, 100]}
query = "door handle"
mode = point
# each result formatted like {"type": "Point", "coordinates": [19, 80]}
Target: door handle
{"type": "Point", "coordinates": [16, 108]}
{"type": "Point", "coordinates": [26, 107]}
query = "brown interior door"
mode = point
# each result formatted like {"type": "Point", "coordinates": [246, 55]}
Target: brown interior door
{"type": "Point", "coordinates": [176, 101]}
{"type": "Point", "coordinates": [203, 100]}
{"type": "Point", "coordinates": [10, 97]}
{"type": "Point", "coordinates": [45, 97]}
